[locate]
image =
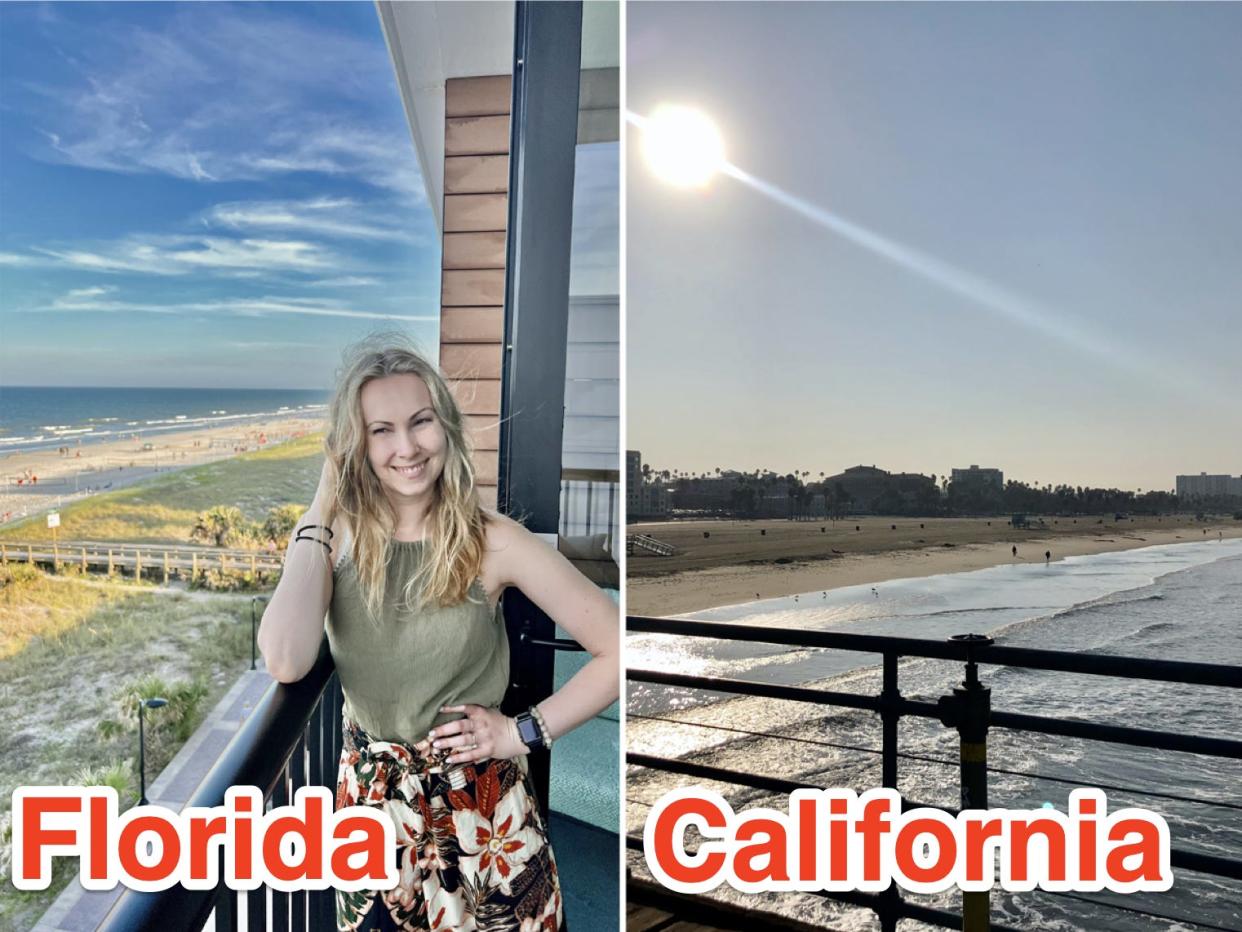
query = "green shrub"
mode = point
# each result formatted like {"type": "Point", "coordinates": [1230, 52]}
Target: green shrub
{"type": "Point", "coordinates": [166, 728]}
{"type": "Point", "coordinates": [223, 526]}
{"type": "Point", "coordinates": [280, 523]}
{"type": "Point", "coordinates": [117, 774]}
{"type": "Point", "coordinates": [215, 580]}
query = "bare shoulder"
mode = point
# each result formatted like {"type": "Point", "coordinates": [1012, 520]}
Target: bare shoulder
{"type": "Point", "coordinates": [507, 538]}
{"type": "Point", "coordinates": [508, 550]}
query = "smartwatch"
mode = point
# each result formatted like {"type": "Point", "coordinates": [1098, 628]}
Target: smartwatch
{"type": "Point", "coordinates": [529, 731]}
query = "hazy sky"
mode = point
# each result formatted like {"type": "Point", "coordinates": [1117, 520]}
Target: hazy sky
{"type": "Point", "coordinates": [1068, 175]}
{"type": "Point", "coordinates": [204, 194]}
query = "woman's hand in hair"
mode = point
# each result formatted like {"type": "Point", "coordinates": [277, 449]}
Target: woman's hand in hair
{"type": "Point", "coordinates": [483, 733]}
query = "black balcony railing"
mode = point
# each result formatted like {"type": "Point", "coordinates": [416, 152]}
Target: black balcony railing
{"type": "Point", "coordinates": [290, 740]}
{"type": "Point", "coordinates": [967, 709]}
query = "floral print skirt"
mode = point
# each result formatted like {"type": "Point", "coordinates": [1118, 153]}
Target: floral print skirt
{"type": "Point", "coordinates": [472, 849]}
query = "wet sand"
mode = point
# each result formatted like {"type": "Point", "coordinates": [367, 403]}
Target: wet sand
{"type": "Point", "coordinates": [737, 563]}
{"type": "Point", "coordinates": [116, 464]}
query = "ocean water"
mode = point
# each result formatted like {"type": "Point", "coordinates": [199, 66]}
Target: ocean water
{"type": "Point", "coordinates": [1181, 601]}
{"type": "Point", "coordinates": [37, 418]}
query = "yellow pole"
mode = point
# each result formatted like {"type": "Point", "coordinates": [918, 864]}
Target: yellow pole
{"type": "Point", "coordinates": [254, 565]}
{"type": "Point", "coordinates": [194, 566]}
{"type": "Point", "coordinates": [30, 554]}
{"type": "Point", "coordinates": [83, 559]}
{"type": "Point", "coordinates": [137, 565]}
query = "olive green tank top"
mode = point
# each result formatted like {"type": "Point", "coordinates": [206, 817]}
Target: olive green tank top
{"type": "Point", "coordinates": [397, 673]}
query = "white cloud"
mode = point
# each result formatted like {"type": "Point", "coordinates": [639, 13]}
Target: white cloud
{"type": "Point", "coordinates": [345, 281]}
{"type": "Point", "coordinates": [180, 255]}
{"type": "Point", "coordinates": [324, 216]}
{"type": "Point", "coordinates": [222, 94]}
{"type": "Point", "coordinates": [92, 292]}
{"type": "Point", "coordinates": [265, 306]}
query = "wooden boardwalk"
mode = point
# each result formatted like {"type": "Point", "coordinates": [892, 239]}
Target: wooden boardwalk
{"type": "Point", "coordinates": [135, 559]}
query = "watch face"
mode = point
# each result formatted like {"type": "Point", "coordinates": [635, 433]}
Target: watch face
{"type": "Point", "coordinates": [528, 731]}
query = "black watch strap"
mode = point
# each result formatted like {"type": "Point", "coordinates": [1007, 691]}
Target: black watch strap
{"type": "Point", "coordinates": [528, 731]}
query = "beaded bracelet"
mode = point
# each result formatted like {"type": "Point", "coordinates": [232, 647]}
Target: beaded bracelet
{"type": "Point", "coordinates": [543, 727]}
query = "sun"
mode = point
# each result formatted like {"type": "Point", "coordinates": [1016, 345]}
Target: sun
{"type": "Point", "coordinates": [682, 145]}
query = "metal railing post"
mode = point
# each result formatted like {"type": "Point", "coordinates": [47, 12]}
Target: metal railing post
{"type": "Point", "coordinates": [890, 900]}
{"type": "Point", "coordinates": [969, 710]}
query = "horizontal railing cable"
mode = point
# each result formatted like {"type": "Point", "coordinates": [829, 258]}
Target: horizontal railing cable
{"type": "Point", "coordinates": [1095, 731]}
{"type": "Point", "coordinates": [1143, 668]}
{"type": "Point", "coordinates": [715, 910]}
{"type": "Point", "coordinates": [742, 778]}
{"type": "Point", "coordinates": [1147, 913]}
{"type": "Point", "coordinates": [943, 761]}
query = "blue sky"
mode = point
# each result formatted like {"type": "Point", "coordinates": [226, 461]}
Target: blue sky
{"type": "Point", "coordinates": [1074, 166]}
{"type": "Point", "coordinates": [204, 194]}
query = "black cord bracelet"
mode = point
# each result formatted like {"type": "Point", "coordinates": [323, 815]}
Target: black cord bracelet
{"type": "Point", "coordinates": [326, 545]}
{"type": "Point", "coordinates": [307, 527]}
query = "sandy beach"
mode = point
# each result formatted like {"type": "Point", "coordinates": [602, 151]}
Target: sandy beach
{"type": "Point", "coordinates": [736, 563]}
{"type": "Point", "coordinates": [98, 467]}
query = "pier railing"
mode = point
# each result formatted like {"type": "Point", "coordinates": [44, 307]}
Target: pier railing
{"type": "Point", "coordinates": [967, 709]}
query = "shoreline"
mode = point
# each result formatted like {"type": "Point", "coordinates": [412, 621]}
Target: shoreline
{"type": "Point", "coordinates": [694, 590]}
{"type": "Point", "coordinates": [106, 466]}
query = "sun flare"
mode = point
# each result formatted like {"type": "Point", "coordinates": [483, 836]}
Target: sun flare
{"type": "Point", "coordinates": [682, 145]}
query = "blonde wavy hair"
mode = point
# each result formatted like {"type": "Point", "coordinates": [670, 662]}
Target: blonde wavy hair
{"type": "Point", "coordinates": [456, 523]}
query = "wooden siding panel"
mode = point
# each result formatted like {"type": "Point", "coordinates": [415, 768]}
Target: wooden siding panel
{"type": "Point", "coordinates": [476, 215]}
{"type": "Point", "coordinates": [474, 250]}
{"type": "Point", "coordinates": [486, 467]}
{"type": "Point", "coordinates": [476, 174]}
{"type": "Point", "coordinates": [485, 431]}
{"type": "Point", "coordinates": [472, 288]}
{"type": "Point", "coordinates": [478, 396]}
{"type": "Point", "coordinates": [488, 135]}
{"type": "Point", "coordinates": [472, 212]}
{"type": "Point", "coordinates": [470, 360]}
{"type": "Point", "coordinates": [487, 96]}
{"type": "Point", "coordinates": [472, 324]}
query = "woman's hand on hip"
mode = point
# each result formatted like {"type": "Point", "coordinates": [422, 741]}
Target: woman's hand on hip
{"type": "Point", "coordinates": [483, 733]}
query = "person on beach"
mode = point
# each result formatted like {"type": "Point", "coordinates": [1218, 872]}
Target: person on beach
{"type": "Point", "coordinates": [409, 568]}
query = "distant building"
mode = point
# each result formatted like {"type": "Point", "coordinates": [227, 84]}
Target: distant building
{"type": "Point", "coordinates": [633, 482]}
{"type": "Point", "coordinates": [642, 499]}
{"type": "Point", "coordinates": [975, 477]}
{"type": "Point", "coordinates": [1205, 486]}
{"type": "Point", "coordinates": [655, 500]}
{"type": "Point", "coordinates": [868, 489]}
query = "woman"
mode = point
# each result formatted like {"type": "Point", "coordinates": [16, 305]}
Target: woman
{"type": "Point", "coordinates": [396, 549]}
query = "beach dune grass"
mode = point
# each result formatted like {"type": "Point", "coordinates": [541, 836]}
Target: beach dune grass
{"type": "Point", "coordinates": [34, 605]}
{"type": "Point", "coordinates": [163, 509]}
{"type": "Point", "coordinates": [85, 648]}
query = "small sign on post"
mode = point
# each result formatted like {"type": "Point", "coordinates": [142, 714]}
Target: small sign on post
{"type": "Point", "coordinates": [53, 522]}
